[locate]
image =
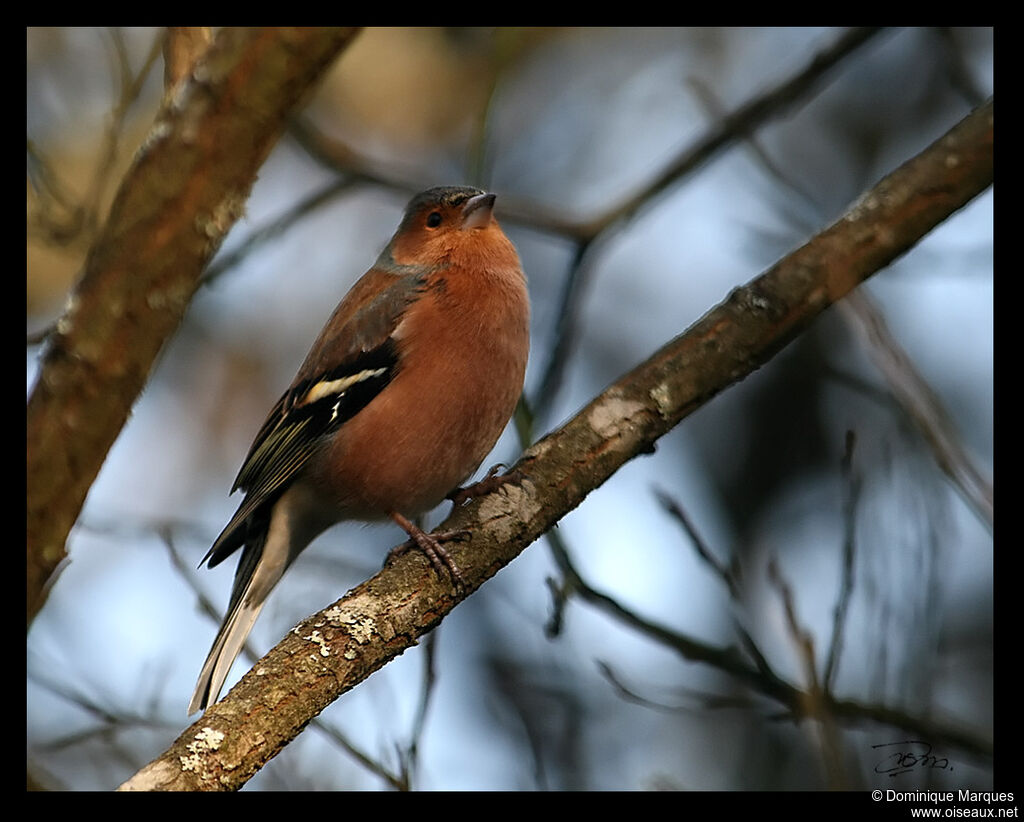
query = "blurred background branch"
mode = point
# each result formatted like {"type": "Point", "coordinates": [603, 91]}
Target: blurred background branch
{"type": "Point", "coordinates": [920, 403]}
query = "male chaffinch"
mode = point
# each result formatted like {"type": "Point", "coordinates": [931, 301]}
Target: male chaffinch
{"type": "Point", "coordinates": [403, 394]}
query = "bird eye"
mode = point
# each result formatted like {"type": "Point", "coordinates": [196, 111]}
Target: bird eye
{"type": "Point", "coordinates": [434, 219]}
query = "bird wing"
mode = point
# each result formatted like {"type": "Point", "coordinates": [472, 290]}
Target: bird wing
{"type": "Point", "coordinates": [351, 362]}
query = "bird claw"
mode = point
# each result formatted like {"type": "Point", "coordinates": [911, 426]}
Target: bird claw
{"type": "Point", "coordinates": [489, 484]}
{"type": "Point", "coordinates": [430, 545]}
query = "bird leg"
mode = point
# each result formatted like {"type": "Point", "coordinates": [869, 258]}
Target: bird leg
{"type": "Point", "coordinates": [490, 483]}
{"type": "Point", "coordinates": [429, 544]}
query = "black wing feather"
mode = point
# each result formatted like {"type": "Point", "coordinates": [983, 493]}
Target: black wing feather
{"type": "Point", "coordinates": [298, 425]}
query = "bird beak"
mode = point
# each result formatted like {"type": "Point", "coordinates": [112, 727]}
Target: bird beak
{"type": "Point", "coordinates": [476, 213]}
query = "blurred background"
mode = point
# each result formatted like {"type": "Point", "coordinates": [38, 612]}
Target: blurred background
{"type": "Point", "coordinates": [810, 480]}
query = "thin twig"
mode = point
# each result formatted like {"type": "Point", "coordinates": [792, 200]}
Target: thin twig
{"type": "Point", "coordinates": [130, 86]}
{"type": "Point", "coordinates": [274, 229]}
{"type": "Point", "coordinates": [716, 111]}
{"type": "Point", "coordinates": [59, 216]}
{"type": "Point", "coordinates": [795, 701]}
{"type": "Point", "coordinates": [729, 574]}
{"type": "Point", "coordinates": [345, 159]}
{"type": "Point", "coordinates": [704, 699]}
{"type": "Point", "coordinates": [813, 699]}
{"type": "Point", "coordinates": [565, 326]}
{"type": "Point", "coordinates": [429, 679]}
{"type": "Point", "coordinates": [920, 403]}
{"type": "Point", "coordinates": [851, 500]}
{"type": "Point", "coordinates": [724, 572]}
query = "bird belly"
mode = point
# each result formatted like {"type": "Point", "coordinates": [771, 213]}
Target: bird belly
{"type": "Point", "coordinates": [418, 440]}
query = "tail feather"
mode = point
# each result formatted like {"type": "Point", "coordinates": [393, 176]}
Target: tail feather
{"type": "Point", "coordinates": [225, 650]}
{"type": "Point", "coordinates": [272, 541]}
{"type": "Point", "coordinates": [259, 570]}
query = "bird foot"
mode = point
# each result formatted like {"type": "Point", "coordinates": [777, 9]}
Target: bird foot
{"type": "Point", "coordinates": [430, 544]}
{"type": "Point", "coordinates": [490, 483]}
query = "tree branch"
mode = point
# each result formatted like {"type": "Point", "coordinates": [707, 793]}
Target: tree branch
{"type": "Point", "coordinates": [186, 189]}
{"type": "Point", "coordinates": [334, 650]}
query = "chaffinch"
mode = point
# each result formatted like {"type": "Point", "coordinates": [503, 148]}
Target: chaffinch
{"type": "Point", "coordinates": [403, 394]}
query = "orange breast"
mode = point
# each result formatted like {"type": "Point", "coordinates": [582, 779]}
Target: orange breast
{"type": "Point", "coordinates": [463, 363]}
